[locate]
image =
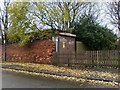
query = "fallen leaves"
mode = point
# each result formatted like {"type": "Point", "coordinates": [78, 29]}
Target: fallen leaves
{"type": "Point", "coordinates": [63, 70]}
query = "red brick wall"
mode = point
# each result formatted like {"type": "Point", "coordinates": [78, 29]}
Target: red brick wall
{"type": "Point", "coordinates": [37, 52]}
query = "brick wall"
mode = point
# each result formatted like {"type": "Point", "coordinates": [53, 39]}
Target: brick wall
{"type": "Point", "coordinates": [37, 52]}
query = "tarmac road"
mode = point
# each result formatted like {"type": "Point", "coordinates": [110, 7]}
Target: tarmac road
{"type": "Point", "coordinates": [21, 80]}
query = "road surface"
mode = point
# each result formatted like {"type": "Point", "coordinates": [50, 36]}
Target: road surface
{"type": "Point", "coordinates": [20, 80]}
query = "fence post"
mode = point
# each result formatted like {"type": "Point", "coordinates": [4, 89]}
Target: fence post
{"type": "Point", "coordinates": [118, 59]}
{"type": "Point", "coordinates": [92, 52]}
{"type": "Point", "coordinates": [97, 58]}
{"type": "Point", "coordinates": [55, 58]}
{"type": "Point", "coordinates": [68, 60]}
{"type": "Point", "coordinates": [58, 56]}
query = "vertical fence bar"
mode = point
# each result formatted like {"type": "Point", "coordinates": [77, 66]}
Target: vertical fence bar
{"type": "Point", "coordinates": [97, 59]}
{"type": "Point", "coordinates": [90, 58]}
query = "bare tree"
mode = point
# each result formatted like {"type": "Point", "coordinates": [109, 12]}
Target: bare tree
{"type": "Point", "coordinates": [58, 15]}
{"type": "Point", "coordinates": [92, 11]}
{"type": "Point", "coordinates": [114, 13]}
{"type": "Point", "coordinates": [1, 34]}
{"type": "Point", "coordinates": [4, 23]}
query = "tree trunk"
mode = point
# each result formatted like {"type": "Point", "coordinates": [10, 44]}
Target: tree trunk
{"type": "Point", "coordinates": [119, 16]}
{"type": "Point", "coordinates": [5, 59]}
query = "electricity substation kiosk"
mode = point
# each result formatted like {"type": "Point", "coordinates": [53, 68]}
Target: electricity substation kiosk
{"type": "Point", "coordinates": [65, 45]}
